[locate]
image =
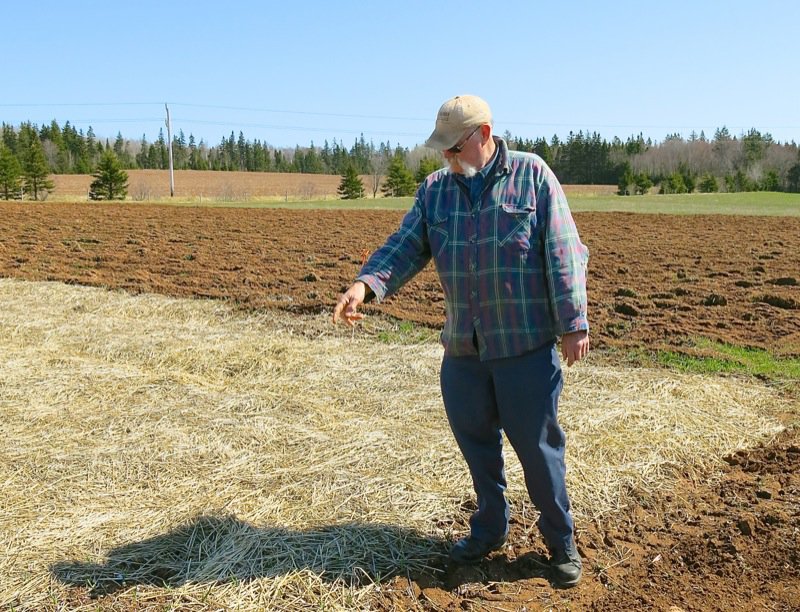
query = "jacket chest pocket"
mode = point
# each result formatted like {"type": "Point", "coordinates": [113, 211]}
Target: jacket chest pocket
{"type": "Point", "coordinates": [438, 235]}
{"type": "Point", "coordinates": [515, 224]}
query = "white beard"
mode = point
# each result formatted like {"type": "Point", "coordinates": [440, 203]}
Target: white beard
{"type": "Point", "coordinates": [468, 170]}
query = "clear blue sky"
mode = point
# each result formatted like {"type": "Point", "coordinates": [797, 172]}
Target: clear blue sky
{"type": "Point", "coordinates": [290, 72]}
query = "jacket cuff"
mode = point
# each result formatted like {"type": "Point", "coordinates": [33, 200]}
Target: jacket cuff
{"type": "Point", "coordinates": [378, 288]}
{"type": "Point", "coordinates": [579, 323]}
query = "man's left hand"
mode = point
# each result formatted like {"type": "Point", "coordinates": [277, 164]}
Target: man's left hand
{"type": "Point", "coordinates": [575, 346]}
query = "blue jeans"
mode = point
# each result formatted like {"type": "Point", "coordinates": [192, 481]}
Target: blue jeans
{"type": "Point", "coordinates": [518, 395]}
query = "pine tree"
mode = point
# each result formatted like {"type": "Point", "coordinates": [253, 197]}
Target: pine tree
{"type": "Point", "coordinates": [10, 138]}
{"type": "Point", "coordinates": [10, 174]}
{"type": "Point", "coordinates": [83, 163]}
{"type": "Point", "coordinates": [313, 161]}
{"type": "Point", "coordinates": [399, 180]}
{"type": "Point", "coordinates": [202, 156]}
{"type": "Point", "coordinates": [161, 154]}
{"type": "Point", "coordinates": [708, 183]}
{"type": "Point", "coordinates": [427, 165]}
{"type": "Point", "coordinates": [110, 180]}
{"type": "Point", "coordinates": [122, 153]}
{"type": "Point", "coordinates": [142, 157]}
{"type": "Point", "coordinates": [793, 178]}
{"type": "Point", "coordinates": [35, 171]}
{"type": "Point", "coordinates": [643, 183]}
{"type": "Point", "coordinates": [180, 151]}
{"type": "Point", "coordinates": [193, 162]}
{"type": "Point", "coordinates": [351, 187]}
{"type": "Point", "coordinates": [59, 159]}
{"type": "Point", "coordinates": [673, 184]}
{"type": "Point", "coordinates": [770, 182]}
{"type": "Point", "coordinates": [543, 150]}
{"type": "Point", "coordinates": [626, 180]}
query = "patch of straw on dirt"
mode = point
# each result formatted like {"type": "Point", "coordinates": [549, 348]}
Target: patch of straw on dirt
{"type": "Point", "coordinates": [160, 450]}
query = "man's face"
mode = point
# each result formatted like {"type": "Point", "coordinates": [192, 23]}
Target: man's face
{"type": "Point", "coordinates": [465, 157]}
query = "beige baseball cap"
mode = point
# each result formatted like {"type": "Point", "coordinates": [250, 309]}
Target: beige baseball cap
{"type": "Point", "coordinates": [455, 117]}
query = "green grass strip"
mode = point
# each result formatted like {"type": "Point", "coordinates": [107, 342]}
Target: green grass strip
{"type": "Point", "coordinates": [750, 203]}
{"type": "Point", "coordinates": [729, 359]}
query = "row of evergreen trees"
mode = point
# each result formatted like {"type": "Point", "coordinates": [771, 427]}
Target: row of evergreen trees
{"type": "Point", "coordinates": [23, 167]}
{"type": "Point", "coordinates": [68, 150]}
{"type": "Point", "coordinates": [752, 161]}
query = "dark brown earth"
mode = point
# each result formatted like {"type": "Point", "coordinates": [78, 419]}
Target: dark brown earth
{"type": "Point", "coordinates": [655, 281]}
{"type": "Point", "coordinates": [730, 545]}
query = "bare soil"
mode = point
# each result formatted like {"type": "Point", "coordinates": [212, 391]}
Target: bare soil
{"type": "Point", "coordinates": [729, 545]}
{"type": "Point", "coordinates": [655, 281]}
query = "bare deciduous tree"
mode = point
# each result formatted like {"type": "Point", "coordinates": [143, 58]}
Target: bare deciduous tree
{"type": "Point", "coordinates": [378, 161]}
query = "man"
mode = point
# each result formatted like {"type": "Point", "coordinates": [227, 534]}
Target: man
{"type": "Point", "coordinates": [497, 225]}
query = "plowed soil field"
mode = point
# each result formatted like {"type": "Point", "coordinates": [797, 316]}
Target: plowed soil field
{"type": "Point", "coordinates": [655, 281]}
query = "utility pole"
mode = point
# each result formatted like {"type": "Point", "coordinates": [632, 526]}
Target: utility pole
{"type": "Point", "coordinates": [169, 148]}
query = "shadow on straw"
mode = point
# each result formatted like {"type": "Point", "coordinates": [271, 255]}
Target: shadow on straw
{"type": "Point", "coordinates": [222, 549]}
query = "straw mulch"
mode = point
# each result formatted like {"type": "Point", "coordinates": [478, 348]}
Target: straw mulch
{"type": "Point", "coordinates": [161, 451]}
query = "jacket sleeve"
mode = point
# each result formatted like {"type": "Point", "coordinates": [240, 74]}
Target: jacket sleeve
{"type": "Point", "coordinates": [403, 255]}
{"type": "Point", "coordinates": [566, 258]}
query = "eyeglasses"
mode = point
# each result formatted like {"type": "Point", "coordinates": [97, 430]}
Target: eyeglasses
{"type": "Point", "coordinates": [456, 148]}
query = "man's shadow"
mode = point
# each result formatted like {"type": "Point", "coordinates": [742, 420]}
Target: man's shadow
{"type": "Point", "coordinates": [220, 549]}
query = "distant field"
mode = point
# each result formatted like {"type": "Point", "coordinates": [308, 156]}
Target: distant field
{"type": "Point", "coordinates": [272, 189]}
{"type": "Point", "coordinates": [198, 185]}
{"type": "Point", "coordinates": [210, 187]}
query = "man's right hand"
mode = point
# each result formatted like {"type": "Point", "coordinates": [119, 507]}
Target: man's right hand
{"type": "Point", "coordinates": [348, 304]}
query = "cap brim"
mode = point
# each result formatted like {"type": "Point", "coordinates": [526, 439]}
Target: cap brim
{"type": "Point", "coordinates": [441, 142]}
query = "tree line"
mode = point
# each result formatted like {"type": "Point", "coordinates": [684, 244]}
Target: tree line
{"type": "Point", "coordinates": [748, 162]}
{"type": "Point", "coordinates": [751, 162]}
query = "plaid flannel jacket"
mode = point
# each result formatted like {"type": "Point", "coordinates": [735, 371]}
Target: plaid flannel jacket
{"type": "Point", "coordinates": [512, 266]}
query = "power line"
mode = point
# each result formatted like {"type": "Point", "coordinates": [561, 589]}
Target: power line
{"type": "Point", "coordinates": [310, 113]}
{"type": "Point", "coordinates": [221, 107]}
{"type": "Point", "coordinates": [291, 127]}
{"type": "Point", "coordinates": [540, 126]}
{"type": "Point", "coordinates": [56, 104]}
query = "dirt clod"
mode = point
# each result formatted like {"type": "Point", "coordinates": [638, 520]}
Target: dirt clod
{"type": "Point", "coordinates": [745, 526]}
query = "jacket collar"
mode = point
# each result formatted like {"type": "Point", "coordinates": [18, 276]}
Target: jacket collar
{"type": "Point", "coordinates": [502, 164]}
